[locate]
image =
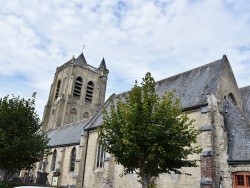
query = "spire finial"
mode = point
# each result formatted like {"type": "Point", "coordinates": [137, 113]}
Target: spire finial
{"type": "Point", "coordinates": [83, 46]}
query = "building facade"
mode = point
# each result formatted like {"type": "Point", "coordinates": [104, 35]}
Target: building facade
{"type": "Point", "coordinates": [209, 94]}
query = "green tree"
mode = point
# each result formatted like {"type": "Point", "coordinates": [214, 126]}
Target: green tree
{"type": "Point", "coordinates": [21, 141]}
{"type": "Point", "coordinates": [149, 135]}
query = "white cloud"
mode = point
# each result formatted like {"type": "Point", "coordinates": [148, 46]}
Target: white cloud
{"type": "Point", "coordinates": [135, 36]}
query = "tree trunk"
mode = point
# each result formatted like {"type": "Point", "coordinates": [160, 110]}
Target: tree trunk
{"type": "Point", "coordinates": [145, 181]}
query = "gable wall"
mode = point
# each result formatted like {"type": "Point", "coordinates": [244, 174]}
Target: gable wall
{"type": "Point", "coordinates": [227, 84]}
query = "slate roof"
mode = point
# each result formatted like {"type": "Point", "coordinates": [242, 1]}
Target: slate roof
{"type": "Point", "coordinates": [192, 87]}
{"type": "Point", "coordinates": [81, 59]}
{"type": "Point", "coordinates": [103, 64]}
{"type": "Point", "coordinates": [238, 130]}
{"type": "Point", "coordinates": [245, 96]}
{"type": "Point", "coordinates": [69, 134]}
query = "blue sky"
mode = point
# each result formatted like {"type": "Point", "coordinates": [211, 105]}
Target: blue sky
{"type": "Point", "coordinates": [165, 37]}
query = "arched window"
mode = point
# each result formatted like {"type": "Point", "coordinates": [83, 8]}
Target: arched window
{"type": "Point", "coordinates": [73, 115]}
{"type": "Point", "coordinates": [77, 88]}
{"type": "Point", "coordinates": [72, 160]}
{"type": "Point", "coordinates": [53, 162]}
{"type": "Point", "coordinates": [85, 115]}
{"type": "Point", "coordinates": [57, 89]}
{"type": "Point", "coordinates": [100, 156]}
{"type": "Point", "coordinates": [89, 91]}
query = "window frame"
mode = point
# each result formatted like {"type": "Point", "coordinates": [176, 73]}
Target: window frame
{"type": "Point", "coordinates": [77, 88]}
{"type": "Point", "coordinates": [246, 180]}
{"type": "Point", "coordinates": [100, 156]}
{"type": "Point", "coordinates": [53, 160]}
{"type": "Point", "coordinates": [89, 92]}
{"type": "Point", "coordinates": [72, 164]}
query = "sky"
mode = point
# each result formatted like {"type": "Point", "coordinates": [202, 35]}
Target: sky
{"type": "Point", "coordinates": [164, 37]}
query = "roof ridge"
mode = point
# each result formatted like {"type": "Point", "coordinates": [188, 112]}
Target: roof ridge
{"type": "Point", "coordinates": [244, 87]}
{"type": "Point", "coordinates": [216, 78]}
{"type": "Point", "coordinates": [97, 114]}
{"type": "Point", "coordinates": [68, 124]}
{"type": "Point", "coordinates": [185, 72]}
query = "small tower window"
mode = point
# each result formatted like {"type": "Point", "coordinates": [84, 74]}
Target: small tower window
{"type": "Point", "coordinates": [53, 162]}
{"type": "Point", "coordinates": [73, 115]}
{"type": "Point", "coordinates": [77, 88]}
{"type": "Point", "coordinates": [89, 92]}
{"type": "Point", "coordinates": [57, 89]}
{"type": "Point", "coordinates": [85, 115]}
{"type": "Point", "coordinates": [72, 160]}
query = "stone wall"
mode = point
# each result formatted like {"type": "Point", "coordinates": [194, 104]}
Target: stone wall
{"type": "Point", "coordinates": [110, 174]}
{"type": "Point", "coordinates": [63, 164]}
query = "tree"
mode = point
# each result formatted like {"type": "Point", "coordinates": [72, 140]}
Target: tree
{"type": "Point", "coordinates": [149, 135]}
{"type": "Point", "coordinates": [21, 141]}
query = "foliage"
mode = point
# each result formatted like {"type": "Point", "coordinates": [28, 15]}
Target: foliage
{"type": "Point", "coordinates": [21, 141]}
{"type": "Point", "coordinates": [149, 135]}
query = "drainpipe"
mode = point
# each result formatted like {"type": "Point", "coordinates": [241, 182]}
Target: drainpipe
{"type": "Point", "coordinates": [85, 159]}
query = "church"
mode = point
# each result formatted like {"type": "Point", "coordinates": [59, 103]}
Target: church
{"type": "Point", "coordinates": [208, 93]}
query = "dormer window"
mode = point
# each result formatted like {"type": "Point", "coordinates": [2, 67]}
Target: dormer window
{"type": "Point", "coordinates": [57, 89]}
{"type": "Point", "coordinates": [77, 88]}
{"type": "Point", "coordinates": [89, 92]}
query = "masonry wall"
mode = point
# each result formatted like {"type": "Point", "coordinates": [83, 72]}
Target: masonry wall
{"type": "Point", "coordinates": [63, 164]}
{"type": "Point", "coordinates": [95, 177]}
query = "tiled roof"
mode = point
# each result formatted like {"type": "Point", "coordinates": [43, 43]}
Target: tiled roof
{"type": "Point", "coordinates": [191, 87]}
{"type": "Point", "coordinates": [245, 96]}
{"type": "Point", "coordinates": [67, 134]}
{"type": "Point", "coordinates": [238, 131]}
{"type": "Point", "coordinates": [103, 64]}
{"type": "Point", "coordinates": [81, 59]}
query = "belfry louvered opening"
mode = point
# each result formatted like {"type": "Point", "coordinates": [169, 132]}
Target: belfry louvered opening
{"type": "Point", "coordinates": [89, 92]}
{"type": "Point", "coordinates": [57, 89]}
{"type": "Point", "coordinates": [77, 88]}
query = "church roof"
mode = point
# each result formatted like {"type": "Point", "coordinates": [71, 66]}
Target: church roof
{"type": "Point", "coordinates": [69, 134]}
{"type": "Point", "coordinates": [103, 64]}
{"type": "Point", "coordinates": [238, 131]}
{"type": "Point", "coordinates": [191, 87]}
{"type": "Point", "coordinates": [81, 59]}
{"type": "Point", "coordinates": [245, 96]}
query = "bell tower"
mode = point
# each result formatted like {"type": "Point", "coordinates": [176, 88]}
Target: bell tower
{"type": "Point", "coordinates": [77, 92]}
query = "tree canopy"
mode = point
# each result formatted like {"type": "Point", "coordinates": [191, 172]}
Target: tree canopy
{"type": "Point", "coordinates": [147, 134]}
{"type": "Point", "coordinates": [21, 141]}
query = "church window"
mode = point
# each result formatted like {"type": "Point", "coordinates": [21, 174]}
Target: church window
{"type": "Point", "coordinates": [100, 156]}
{"type": "Point", "coordinates": [89, 91]}
{"type": "Point", "coordinates": [73, 115]}
{"type": "Point", "coordinates": [85, 115]}
{"type": "Point", "coordinates": [77, 88]}
{"type": "Point", "coordinates": [53, 162]}
{"type": "Point", "coordinates": [57, 89]}
{"type": "Point", "coordinates": [72, 160]}
{"type": "Point", "coordinates": [242, 180]}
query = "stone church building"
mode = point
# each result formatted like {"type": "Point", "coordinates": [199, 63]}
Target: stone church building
{"type": "Point", "coordinates": [208, 93]}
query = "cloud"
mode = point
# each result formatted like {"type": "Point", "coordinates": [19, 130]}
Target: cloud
{"type": "Point", "coordinates": [164, 37]}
